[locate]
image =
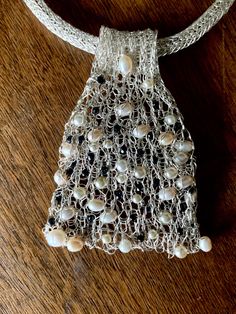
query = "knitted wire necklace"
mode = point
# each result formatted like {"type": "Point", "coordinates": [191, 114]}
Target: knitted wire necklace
{"type": "Point", "coordinates": [126, 177]}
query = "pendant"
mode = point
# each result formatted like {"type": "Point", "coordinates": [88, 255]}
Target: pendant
{"type": "Point", "coordinates": [126, 177]}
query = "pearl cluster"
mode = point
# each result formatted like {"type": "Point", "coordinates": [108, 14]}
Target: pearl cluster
{"type": "Point", "coordinates": [175, 181]}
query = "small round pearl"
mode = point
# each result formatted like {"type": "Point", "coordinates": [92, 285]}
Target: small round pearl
{"type": "Point", "coordinates": [107, 144]}
{"type": "Point", "coordinates": [74, 244]}
{"type": "Point", "coordinates": [190, 198]}
{"type": "Point", "coordinates": [66, 149]}
{"type": "Point", "coordinates": [108, 217]}
{"type": "Point", "coordinates": [166, 138]}
{"type": "Point", "coordinates": [167, 194]}
{"type": "Point", "coordinates": [171, 173]}
{"type": "Point", "coordinates": [79, 119]}
{"type": "Point", "coordinates": [205, 244]}
{"type": "Point", "coordinates": [165, 217]}
{"type": "Point", "coordinates": [180, 158]}
{"type": "Point", "coordinates": [96, 205]}
{"type": "Point", "coordinates": [59, 178]}
{"type": "Point", "coordinates": [137, 198]}
{"type": "Point", "coordinates": [95, 135]}
{"type": "Point", "coordinates": [152, 234]}
{"type": "Point", "coordinates": [184, 182]}
{"type": "Point", "coordinates": [124, 110]}
{"type": "Point", "coordinates": [170, 119]}
{"type": "Point", "coordinates": [141, 130]}
{"type": "Point", "coordinates": [140, 172]}
{"type": "Point", "coordinates": [185, 146]}
{"type": "Point", "coordinates": [79, 192]}
{"type": "Point", "coordinates": [94, 147]}
{"type": "Point", "coordinates": [125, 64]}
{"type": "Point", "coordinates": [100, 182]}
{"type": "Point", "coordinates": [180, 251]}
{"type": "Point", "coordinates": [106, 238]}
{"type": "Point", "coordinates": [148, 83]}
{"type": "Point", "coordinates": [67, 213]}
{"type": "Point", "coordinates": [56, 238]}
{"type": "Point", "coordinates": [125, 246]}
{"type": "Point", "coordinates": [121, 165]}
{"type": "Point", "coordinates": [121, 178]}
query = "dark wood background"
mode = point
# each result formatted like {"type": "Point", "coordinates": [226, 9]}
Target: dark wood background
{"type": "Point", "coordinates": [41, 80]}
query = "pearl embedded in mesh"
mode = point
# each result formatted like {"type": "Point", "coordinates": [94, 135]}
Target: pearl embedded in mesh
{"type": "Point", "coordinates": [79, 192]}
{"type": "Point", "coordinates": [180, 251]}
{"type": "Point", "coordinates": [205, 244]}
{"type": "Point", "coordinates": [124, 109]}
{"type": "Point", "coordinates": [108, 217]}
{"type": "Point", "coordinates": [59, 178]}
{"type": "Point", "coordinates": [56, 238]}
{"type": "Point", "coordinates": [140, 172]}
{"type": "Point", "coordinates": [67, 213]}
{"type": "Point", "coordinates": [165, 217]}
{"type": "Point", "coordinates": [125, 64]}
{"type": "Point", "coordinates": [167, 194]}
{"type": "Point", "coordinates": [95, 135]}
{"type": "Point", "coordinates": [125, 246]}
{"type": "Point", "coordinates": [74, 244]}
{"type": "Point", "coordinates": [141, 130]}
{"type": "Point", "coordinates": [121, 165]}
{"type": "Point", "coordinates": [96, 205]}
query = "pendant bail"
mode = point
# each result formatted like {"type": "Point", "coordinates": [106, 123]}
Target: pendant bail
{"type": "Point", "coordinates": [127, 52]}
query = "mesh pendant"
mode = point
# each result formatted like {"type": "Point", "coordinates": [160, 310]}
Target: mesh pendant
{"type": "Point", "coordinates": [126, 169]}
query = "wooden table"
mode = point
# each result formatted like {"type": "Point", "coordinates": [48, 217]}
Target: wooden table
{"type": "Point", "coordinates": [41, 80]}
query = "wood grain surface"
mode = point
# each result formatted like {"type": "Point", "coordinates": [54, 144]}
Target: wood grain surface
{"type": "Point", "coordinates": [41, 78]}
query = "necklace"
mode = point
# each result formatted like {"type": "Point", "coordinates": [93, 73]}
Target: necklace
{"type": "Point", "coordinates": [126, 177]}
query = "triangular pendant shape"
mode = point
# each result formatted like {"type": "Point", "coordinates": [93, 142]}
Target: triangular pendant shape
{"type": "Point", "coordinates": [126, 177]}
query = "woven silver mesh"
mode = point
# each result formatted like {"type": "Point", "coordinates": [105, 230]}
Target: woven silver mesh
{"type": "Point", "coordinates": [105, 90]}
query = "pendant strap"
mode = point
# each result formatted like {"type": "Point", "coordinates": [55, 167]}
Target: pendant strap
{"type": "Point", "coordinates": [167, 45]}
{"type": "Point", "coordinates": [140, 46]}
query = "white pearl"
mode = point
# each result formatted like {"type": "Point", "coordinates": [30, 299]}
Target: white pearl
{"type": "Point", "coordinates": [180, 251]}
{"type": "Point", "coordinates": [141, 130]}
{"type": "Point", "coordinates": [152, 234]}
{"type": "Point", "coordinates": [205, 244]}
{"type": "Point", "coordinates": [106, 238]}
{"type": "Point", "coordinates": [121, 165]}
{"type": "Point", "coordinates": [79, 119]}
{"type": "Point", "coordinates": [137, 198]}
{"type": "Point", "coordinates": [95, 135]}
{"type": "Point", "coordinates": [180, 158]}
{"type": "Point", "coordinates": [140, 172]}
{"type": "Point", "coordinates": [148, 83]}
{"type": "Point", "coordinates": [96, 205]}
{"type": "Point", "coordinates": [125, 246]}
{"type": "Point", "coordinates": [125, 64]}
{"type": "Point", "coordinates": [124, 110]}
{"type": "Point", "coordinates": [166, 138]}
{"type": "Point", "coordinates": [165, 217]}
{"type": "Point", "coordinates": [74, 244]}
{"type": "Point", "coordinates": [66, 149]}
{"type": "Point", "coordinates": [94, 147]}
{"type": "Point", "coordinates": [171, 173]}
{"type": "Point", "coordinates": [100, 182]}
{"type": "Point", "coordinates": [67, 213]}
{"type": "Point", "coordinates": [59, 178]}
{"type": "Point", "coordinates": [107, 144]}
{"type": "Point", "coordinates": [184, 182]}
{"type": "Point", "coordinates": [121, 178]}
{"type": "Point", "coordinates": [56, 238]}
{"type": "Point", "coordinates": [167, 194]}
{"type": "Point", "coordinates": [190, 198]}
{"type": "Point", "coordinates": [79, 192]}
{"type": "Point", "coordinates": [108, 217]}
{"type": "Point", "coordinates": [170, 119]}
{"type": "Point", "coordinates": [185, 146]}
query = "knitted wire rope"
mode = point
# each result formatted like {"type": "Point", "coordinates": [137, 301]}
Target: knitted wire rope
{"type": "Point", "coordinates": [166, 45]}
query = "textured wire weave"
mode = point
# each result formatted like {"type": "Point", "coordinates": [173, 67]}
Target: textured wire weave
{"type": "Point", "coordinates": [82, 167]}
{"type": "Point", "coordinates": [166, 45]}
